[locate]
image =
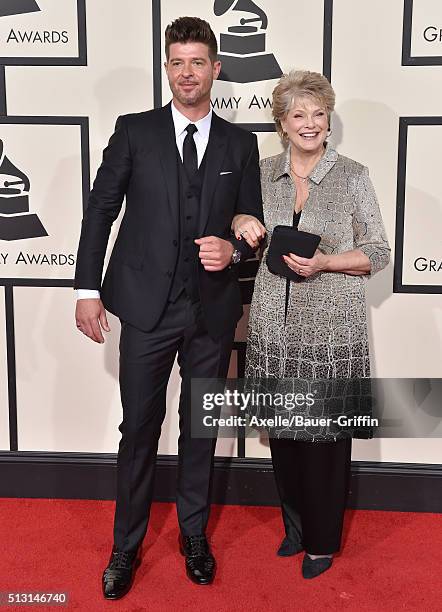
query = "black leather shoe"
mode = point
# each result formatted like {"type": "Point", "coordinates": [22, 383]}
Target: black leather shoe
{"type": "Point", "coordinates": [289, 548]}
{"type": "Point", "coordinates": [200, 563]}
{"type": "Point", "coordinates": [119, 574]}
{"type": "Point", "coordinates": [314, 567]}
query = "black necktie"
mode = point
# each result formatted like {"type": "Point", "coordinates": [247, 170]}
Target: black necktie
{"type": "Point", "coordinates": [190, 157]}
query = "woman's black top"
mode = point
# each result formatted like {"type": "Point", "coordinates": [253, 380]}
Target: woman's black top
{"type": "Point", "coordinates": [296, 218]}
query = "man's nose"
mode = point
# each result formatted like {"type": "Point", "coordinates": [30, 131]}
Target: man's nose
{"type": "Point", "coordinates": [187, 70]}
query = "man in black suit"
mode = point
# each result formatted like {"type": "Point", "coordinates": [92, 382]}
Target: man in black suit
{"type": "Point", "coordinates": [172, 280]}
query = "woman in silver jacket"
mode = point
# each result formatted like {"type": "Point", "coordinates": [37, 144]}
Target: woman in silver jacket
{"type": "Point", "coordinates": [315, 329]}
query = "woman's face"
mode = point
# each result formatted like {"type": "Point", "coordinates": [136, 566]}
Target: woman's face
{"type": "Point", "coordinates": [306, 125]}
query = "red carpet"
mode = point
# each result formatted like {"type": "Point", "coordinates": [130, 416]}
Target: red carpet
{"type": "Point", "coordinates": [391, 561]}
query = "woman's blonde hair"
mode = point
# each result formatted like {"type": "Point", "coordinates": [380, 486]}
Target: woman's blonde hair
{"type": "Point", "coordinates": [301, 84]}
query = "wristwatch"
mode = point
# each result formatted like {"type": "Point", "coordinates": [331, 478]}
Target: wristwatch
{"type": "Point", "coordinates": [236, 257]}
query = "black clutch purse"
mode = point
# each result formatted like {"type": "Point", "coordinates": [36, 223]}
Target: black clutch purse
{"type": "Point", "coordinates": [285, 240]}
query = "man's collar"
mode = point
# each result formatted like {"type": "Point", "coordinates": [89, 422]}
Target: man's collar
{"type": "Point", "coordinates": [325, 164]}
{"type": "Point", "coordinates": [181, 122]}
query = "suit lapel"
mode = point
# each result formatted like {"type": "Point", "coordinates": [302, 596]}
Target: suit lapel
{"type": "Point", "coordinates": [168, 157]}
{"type": "Point", "coordinates": [215, 153]}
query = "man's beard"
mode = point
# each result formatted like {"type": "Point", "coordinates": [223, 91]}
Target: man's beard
{"type": "Point", "coordinates": [191, 99]}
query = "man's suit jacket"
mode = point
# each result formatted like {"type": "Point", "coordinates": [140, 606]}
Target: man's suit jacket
{"type": "Point", "coordinates": [140, 163]}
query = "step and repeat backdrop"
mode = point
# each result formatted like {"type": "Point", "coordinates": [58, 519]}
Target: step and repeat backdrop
{"type": "Point", "coordinates": [68, 68]}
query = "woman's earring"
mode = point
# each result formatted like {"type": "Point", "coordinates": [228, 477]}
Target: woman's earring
{"type": "Point", "coordinates": [329, 132]}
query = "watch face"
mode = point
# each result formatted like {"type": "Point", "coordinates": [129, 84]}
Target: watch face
{"type": "Point", "coordinates": [236, 256]}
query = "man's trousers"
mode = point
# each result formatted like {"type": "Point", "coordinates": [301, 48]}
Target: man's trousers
{"type": "Point", "coordinates": [146, 360]}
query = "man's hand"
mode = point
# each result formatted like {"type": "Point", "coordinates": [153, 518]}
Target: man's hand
{"type": "Point", "coordinates": [249, 228]}
{"type": "Point", "coordinates": [90, 317]}
{"type": "Point", "coordinates": [215, 253]}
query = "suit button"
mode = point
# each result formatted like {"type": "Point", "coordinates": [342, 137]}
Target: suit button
{"type": "Point", "coordinates": [189, 194]}
{"type": "Point", "coordinates": [169, 274]}
{"type": "Point", "coordinates": [175, 243]}
{"type": "Point", "coordinates": [188, 218]}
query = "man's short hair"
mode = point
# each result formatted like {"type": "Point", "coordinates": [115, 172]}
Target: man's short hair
{"type": "Point", "coordinates": [191, 29]}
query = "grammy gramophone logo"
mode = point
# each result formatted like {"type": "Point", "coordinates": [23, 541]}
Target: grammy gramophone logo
{"type": "Point", "coordinates": [243, 49]}
{"type": "Point", "coordinates": [16, 222]}
{"type": "Point", "coordinates": [17, 7]}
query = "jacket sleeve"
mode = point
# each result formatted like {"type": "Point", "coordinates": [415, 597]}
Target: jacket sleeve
{"type": "Point", "coordinates": [104, 205]}
{"type": "Point", "coordinates": [368, 227]}
{"type": "Point", "coordinates": [249, 200]}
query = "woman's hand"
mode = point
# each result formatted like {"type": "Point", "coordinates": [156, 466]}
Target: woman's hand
{"type": "Point", "coordinates": [249, 228]}
{"type": "Point", "coordinates": [306, 267]}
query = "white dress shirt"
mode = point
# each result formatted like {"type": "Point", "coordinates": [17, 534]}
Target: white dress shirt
{"type": "Point", "coordinates": [201, 138]}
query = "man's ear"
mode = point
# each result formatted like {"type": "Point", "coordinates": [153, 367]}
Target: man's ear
{"type": "Point", "coordinates": [216, 69]}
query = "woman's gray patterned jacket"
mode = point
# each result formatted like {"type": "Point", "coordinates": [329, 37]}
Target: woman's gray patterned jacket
{"type": "Point", "coordinates": [325, 332]}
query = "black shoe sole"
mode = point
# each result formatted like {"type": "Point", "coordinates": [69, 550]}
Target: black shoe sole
{"type": "Point", "coordinates": [115, 597]}
{"type": "Point", "coordinates": [199, 583]}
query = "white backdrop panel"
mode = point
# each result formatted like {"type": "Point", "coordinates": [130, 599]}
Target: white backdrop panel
{"type": "Point", "coordinates": [426, 35]}
{"type": "Point", "coordinates": [258, 447]}
{"type": "Point", "coordinates": [49, 32]}
{"type": "Point", "coordinates": [50, 157]}
{"type": "Point", "coordinates": [292, 44]}
{"type": "Point", "coordinates": [373, 90]}
{"type": "Point", "coordinates": [117, 79]}
{"type": "Point", "coordinates": [67, 392]}
{"type": "Point", "coordinates": [67, 386]}
{"type": "Point", "coordinates": [423, 208]}
{"type": "Point", "coordinates": [269, 144]}
{"type": "Point", "coordinates": [4, 408]}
